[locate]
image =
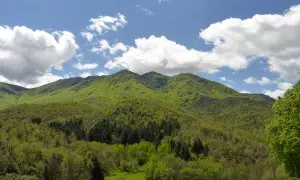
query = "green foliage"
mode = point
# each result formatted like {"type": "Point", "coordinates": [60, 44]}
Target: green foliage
{"type": "Point", "coordinates": [72, 126]}
{"type": "Point", "coordinates": [183, 92]}
{"type": "Point", "coordinates": [158, 170]}
{"type": "Point", "coordinates": [180, 149]}
{"type": "Point", "coordinates": [172, 168]}
{"type": "Point", "coordinates": [284, 131]}
{"type": "Point", "coordinates": [132, 126]}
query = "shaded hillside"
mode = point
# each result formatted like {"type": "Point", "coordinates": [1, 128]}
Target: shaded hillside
{"type": "Point", "coordinates": [11, 89]}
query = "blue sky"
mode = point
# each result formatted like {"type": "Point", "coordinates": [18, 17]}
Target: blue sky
{"type": "Point", "coordinates": [169, 37]}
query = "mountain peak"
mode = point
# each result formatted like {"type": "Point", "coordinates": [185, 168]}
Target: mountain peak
{"type": "Point", "coordinates": [154, 80]}
{"type": "Point", "coordinates": [124, 72]}
{"type": "Point", "coordinates": [188, 75]}
{"type": "Point", "coordinates": [153, 74]}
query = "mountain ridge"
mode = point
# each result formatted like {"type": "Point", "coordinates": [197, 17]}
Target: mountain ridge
{"type": "Point", "coordinates": [187, 92]}
{"type": "Point", "coordinates": [76, 80]}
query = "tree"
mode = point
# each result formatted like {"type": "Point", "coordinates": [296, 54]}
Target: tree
{"type": "Point", "coordinates": [53, 168]}
{"type": "Point", "coordinates": [283, 131]}
{"type": "Point", "coordinates": [181, 149]}
{"type": "Point", "coordinates": [97, 171]}
{"type": "Point", "coordinates": [133, 137]}
{"type": "Point", "coordinates": [197, 147]}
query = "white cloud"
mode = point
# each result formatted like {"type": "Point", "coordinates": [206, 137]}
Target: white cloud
{"type": "Point", "coordinates": [262, 81]}
{"type": "Point", "coordinates": [245, 92]}
{"type": "Point", "coordinates": [228, 85]}
{"type": "Point", "coordinates": [250, 80]}
{"type": "Point", "coordinates": [79, 56]}
{"type": "Point", "coordinates": [42, 80]}
{"type": "Point", "coordinates": [68, 75]}
{"type": "Point", "coordinates": [273, 36]}
{"type": "Point", "coordinates": [80, 66]}
{"type": "Point", "coordinates": [144, 10]}
{"type": "Point", "coordinates": [274, 94]}
{"type": "Point", "coordinates": [223, 79]}
{"type": "Point", "coordinates": [282, 88]}
{"type": "Point", "coordinates": [103, 24]}
{"type": "Point", "coordinates": [236, 43]}
{"type": "Point", "coordinates": [104, 47]}
{"type": "Point", "coordinates": [87, 35]}
{"type": "Point", "coordinates": [27, 56]}
{"type": "Point", "coordinates": [162, 1]}
{"type": "Point", "coordinates": [102, 73]}
{"type": "Point", "coordinates": [284, 85]}
{"type": "Point", "coordinates": [85, 74]}
{"type": "Point", "coordinates": [227, 82]}
{"type": "Point", "coordinates": [162, 55]}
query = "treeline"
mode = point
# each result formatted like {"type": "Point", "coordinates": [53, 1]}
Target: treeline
{"type": "Point", "coordinates": [112, 133]}
{"type": "Point", "coordinates": [106, 131]}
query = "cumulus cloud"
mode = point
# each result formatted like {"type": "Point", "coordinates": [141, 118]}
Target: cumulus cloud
{"type": "Point", "coordinates": [87, 66]}
{"type": "Point", "coordinates": [162, 55]}
{"type": "Point", "coordinates": [262, 81]}
{"type": "Point", "coordinates": [250, 80]}
{"type": "Point", "coordinates": [282, 88]}
{"type": "Point", "coordinates": [224, 79]}
{"type": "Point", "coordinates": [285, 85]}
{"type": "Point", "coordinates": [228, 85]}
{"type": "Point", "coordinates": [245, 92]}
{"type": "Point", "coordinates": [102, 73]}
{"type": "Point", "coordinates": [103, 24]}
{"type": "Point", "coordinates": [27, 56]}
{"type": "Point", "coordinates": [144, 10]}
{"type": "Point", "coordinates": [42, 80]}
{"type": "Point", "coordinates": [87, 35]}
{"type": "Point", "coordinates": [105, 48]}
{"type": "Point", "coordinates": [273, 36]}
{"type": "Point", "coordinates": [236, 43]}
{"type": "Point", "coordinates": [85, 74]}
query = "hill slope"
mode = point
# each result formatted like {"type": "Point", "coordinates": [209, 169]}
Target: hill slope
{"type": "Point", "coordinates": [184, 91]}
{"type": "Point", "coordinates": [72, 118]}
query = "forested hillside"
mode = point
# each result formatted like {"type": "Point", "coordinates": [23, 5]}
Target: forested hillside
{"type": "Point", "coordinates": [134, 126]}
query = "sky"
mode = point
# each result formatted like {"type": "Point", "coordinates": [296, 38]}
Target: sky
{"type": "Point", "coordinates": [250, 46]}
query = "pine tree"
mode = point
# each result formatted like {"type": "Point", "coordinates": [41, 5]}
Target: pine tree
{"type": "Point", "coordinates": [197, 147]}
{"type": "Point", "coordinates": [97, 171]}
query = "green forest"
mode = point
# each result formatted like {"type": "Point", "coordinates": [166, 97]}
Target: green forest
{"type": "Point", "coordinates": [151, 126]}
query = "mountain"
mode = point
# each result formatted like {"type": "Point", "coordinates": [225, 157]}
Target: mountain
{"type": "Point", "coordinates": [207, 127]}
{"type": "Point", "coordinates": [185, 91]}
{"type": "Point", "coordinates": [11, 89]}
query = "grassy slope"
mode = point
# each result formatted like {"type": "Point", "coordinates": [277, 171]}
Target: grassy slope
{"type": "Point", "coordinates": [186, 92]}
{"type": "Point", "coordinates": [9, 94]}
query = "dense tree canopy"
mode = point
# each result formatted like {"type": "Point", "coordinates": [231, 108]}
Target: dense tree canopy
{"type": "Point", "coordinates": [284, 131]}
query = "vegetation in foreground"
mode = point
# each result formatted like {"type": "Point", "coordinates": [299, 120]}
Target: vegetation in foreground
{"type": "Point", "coordinates": [284, 131]}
